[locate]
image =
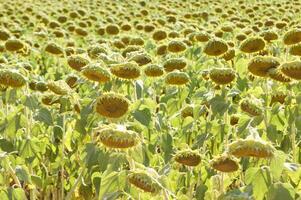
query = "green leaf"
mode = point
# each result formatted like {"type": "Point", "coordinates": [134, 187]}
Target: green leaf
{"type": "Point", "coordinates": [277, 164]}
{"type": "Point", "coordinates": [37, 180]}
{"type": "Point", "coordinates": [281, 191]}
{"type": "Point", "coordinates": [22, 174]}
{"type": "Point", "coordinates": [16, 194]}
{"type": "Point", "coordinates": [6, 145]}
{"type": "Point", "coordinates": [44, 116]}
{"type": "Point", "coordinates": [111, 183]}
{"type": "Point", "coordinates": [260, 179]}
{"type": "Point", "coordinates": [139, 88]}
{"type": "Point", "coordinates": [96, 180]}
{"type": "Point", "coordinates": [143, 116]}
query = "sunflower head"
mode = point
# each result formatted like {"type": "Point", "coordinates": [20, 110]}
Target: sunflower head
{"type": "Point", "coordinates": [187, 111]}
{"type": "Point", "coordinates": [95, 72]}
{"type": "Point", "coordinates": [112, 137]}
{"type": "Point", "coordinates": [229, 55]}
{"type": "Point", "coordinates": [11, 78]}
{"type": "Point", "coordinates": [174, 64]}
{"type": "Point", "coordinates": [251, 106]}
{"type": "Point", "coordinates": [54, 49]}
{"type": "Point", "coordinates": [95, 50]}
{"type": "Point", "coordinates": [222, 76]}
{"type": "Point", "coordinates": [252, 44]}
{"type": "Point", "coordinates": [111, 105]}
{"type": "Point", "coordinates": [278, 97]}
{"type": "Point", "coordinates": [176, 46]}
{"type": "Point", "coordinates": [292, 37]}
{"type": "Point", "coordinates": [251, 147]}
{"type": "Point", "coordinates": [215, 47]}
{"type": "Point", "coordinates": [50, 99]}
{"type": "Point", "coordinates": [159, 35]}
{"type": "Point", "coordinates": [202, 36]}
{"type": "Point", "coordinates": [14, 45]}
{"type": "Point", "coordinates": [260, 65]}
{"type": "Point", "coordinates": [145, 180]}
{"type": "Point", "coordinates": [292, 69]}
{"type": "Point", "coordinates": [77, 62]}
{"type": "Point", "coordinates": [277, 75]}
{"type": "Point", "coordinates": [188, 157]}
{"type": "Point", "coordinates": [225, 163]}
{"type": "Point", "coordinates": [176, 78]}
{"type": "Point", "coordinates": [153, 70]}
{"type": "Point", "coordinates": [126, 70]}
{"type": "Point", "coordinates": [59, 87]}
{"type": "Point", "coordinates": [72, 80]}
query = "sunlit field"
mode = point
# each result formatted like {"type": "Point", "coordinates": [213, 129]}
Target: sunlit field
{"type": "Point", "coordinates": [150, 100]}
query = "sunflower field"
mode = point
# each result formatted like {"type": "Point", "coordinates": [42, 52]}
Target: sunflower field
{"type": "Point", "coordinates": [150, 100]}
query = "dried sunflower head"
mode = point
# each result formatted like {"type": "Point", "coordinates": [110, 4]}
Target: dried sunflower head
{"type": "Point", "coordinates": [176, 78]}
{"type": "Point", "coordinates": [292, 69]}
{"type": "Point", "coordinates": [188, 157]}
{"type": "Point", "coordinates": [11, 78]}
{"type": "Point", "coordinates": [260, 65]}
{"type": "Point", "coordinates": [95, 72]}
{"type": "Point", "coordinates": [174, 64]}
{"type": "Point", "coordinates": [225, 163]}
{"type": "Point", "coordinates": [153, 70]}
{"type": "Point", "coordinates": [222, 76]}
{"type": "Point", "coordinates": [215, 47]}
{"type": "Point", "coordinates": [117, 138]}
{"type": "Point", "coordinates": [111, 105]}
{"type": "Point", "coordinates": [127, 70]}
{"type": "Point", "coordinates": [252, 44]}
{"type": "Point", "coordinates": [251, 106]}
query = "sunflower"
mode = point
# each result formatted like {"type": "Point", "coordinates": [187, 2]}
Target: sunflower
{"type": "Point", "coordinates": [14, 45]}
{"type": "Point", "coordinates": [278, 96]}
{"type": "Point", "coordinates": [260, 65]}
{"type": "Point", "coordinates": [251, 106]}
{"type": "Point", "coordinates": [174, 64]}
{"type": "Point", "coordinates": [54, 48]}
{"type": "Point", "coordinates": [188, 157]}
{"type": "Point", "coordinates": [153, 70]}
{"type": "Point", "coordinates": [252, 44]}
{"type": "Point", "coordinates": [127, 70]}
{"type": "Point", "coordinates": [222, 76]}
{"type": "Point", "coordinates": [11, 78]}
{"type": "Point", "coordinates": [292, 37]}
{"type": "Point", "coordinates": [215, 47]}
{"type": "Point", "coordinates": [77, 62]}
{"type": "Point", "coordinates": [295, 50]}
{"type": "Point", "coordinates": [144, 180]}
{"type": "Point", "coordinates": [176, 78]}
{"type": "Point", "coordinates": [187, 111]}
{"type": "Point", "coordinates": [292, 69]}
{"type": "Point", "coordinates": [59, 87]}
{"type": "Point", "coordinates": [111, 105]}
{"type": "Point", "coordinates": [229, 55]}
{"type": "Point", "coordinates": [225, 163]}
{"type": "Point", "coordinates": [250, 147]}
{"type": "Point", "coordinates": [175, 46]}
{"type": "Point", "coordinates": [202, 36]}
{"type": "Point", "coordinates": [115, 138]}
{"type": "Point", "coordinates": [95, 72]}
{"type": "Point", "coordinates": [277, 75]}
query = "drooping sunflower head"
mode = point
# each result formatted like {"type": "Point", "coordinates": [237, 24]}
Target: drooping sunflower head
{"type": "Point", "coordinates": [225, 163]}
{"type": "Point", "coordinates": [54, 49]}
{"type": "Point", "coordinates": [260, 65]}
{"type": "Point", "coordinates": [278, 97]}
{"type": "Point", "coordinates": [187, 111]}
{"type": "Point", "coordinates": [277, 75]}
{"type": "Point", "coordinates": [251, 106]}
{"type": "Point", "coordinates": [251, 147]}
{"type": "Point", "coordinates": [222, 76]}
{"type": "Point", "coordinates": [14, 45]}
{"type": "Point", "coordinates": [117, 138]}
{"type": "Point", "coordinates": [292, 37]}
{"type": "Point", "coordinates": [269, 35]}
{"type": "Point", "coordinates": [188, 157]}
{"type": "Point", "coordinates": [159, 35]}
{"type": "Point", "coordinates": [95, 72]}
{"type": "Point", "coordinates": [11, 78]}
{"type": "Point", "coordinates": [112, 29]}
{"type": "Point", "coordinates": [140, 58]}
{"type": "Point", "coordinates": [176, 78]}
{"type": "Point", "coordinates": [295, 50]}
{"type": "Point", "coordinates": [72, 80]}
{"type": "Point", "coordinates": [153, 70]}
{"type": "Point", "coordinates": [77, 62]}
{"type": "Point", "coordinates": [146, 180]}
{"type": "Point", "coordinates": [126, 70]}
{"type": "Point", "coordinates": [252, 44]}
{"type": "Point", "coordinates": [292, 69]}
{"type": "Point", "coordinates": [215, 47]}
{"type": "Point", "coordinates": [111, 105]}
{"type": "Point", "coordinates": [95, 50]}
{"type": "Point", "coordinates": [234, 119]}
{"type": "Point", "coordinates": [202, 36]}
{"type": "Point", "coordinates": [176, 46]}
{"type": "Point", "coordinates": [50, 99]}
{"type": "Point", "coordinates": [59, 87]}
{"type": "Point", "coordinates": [229, 55]}
{"type": "Point", "coordinates": [174, 64]}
